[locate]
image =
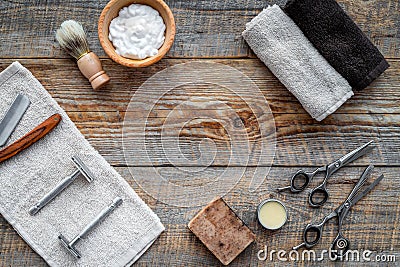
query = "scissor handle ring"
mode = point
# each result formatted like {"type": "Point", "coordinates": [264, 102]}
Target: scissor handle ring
{"type": "Point", "coordinates": [304, 176]}
{"type": "Point", "coordinates": [313, 193]}
{"type": "Point", "coordinates": [310, 229]}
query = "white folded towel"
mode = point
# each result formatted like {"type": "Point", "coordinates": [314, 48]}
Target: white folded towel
{"type": "Point", "coordinates": [119, 240]}
{"type": "Point", "coordinates": [290, 56]}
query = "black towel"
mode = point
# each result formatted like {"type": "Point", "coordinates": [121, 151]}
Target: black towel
{"type": "Point", "coordinates": [338, 39]}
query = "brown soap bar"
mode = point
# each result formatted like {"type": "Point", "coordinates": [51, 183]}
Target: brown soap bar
{"type": "Point", "coordinates": [221, 231]}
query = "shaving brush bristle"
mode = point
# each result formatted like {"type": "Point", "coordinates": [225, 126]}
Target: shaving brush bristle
{"type": "Point", "coordinates": [72, 37]}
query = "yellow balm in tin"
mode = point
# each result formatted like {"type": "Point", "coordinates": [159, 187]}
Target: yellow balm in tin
{"type": "Point", "coordinates": [272, 214]}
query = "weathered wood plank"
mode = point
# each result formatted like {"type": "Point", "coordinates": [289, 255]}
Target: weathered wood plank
{"type": "Point", "coordinates": [298, 136]}
{"type": "Point", "coordinates": [372, 224]}
{"type": "Point", "coordinates": [66, 84]}
{"type": "Point", "coordinates": [212, 29]}
{"type": "Point", "coordinates": [300, 140]}
{"type": "Point", "coordinates": [204, 28]}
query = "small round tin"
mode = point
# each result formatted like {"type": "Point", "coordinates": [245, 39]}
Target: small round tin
{"type": "Point", "coordinates": [272, 214]}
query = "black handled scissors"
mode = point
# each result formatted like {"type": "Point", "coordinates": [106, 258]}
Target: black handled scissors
{"type": "Point", "coordinates": [313, 232]}
{"type": "Point", "coordinates": [319, 195]}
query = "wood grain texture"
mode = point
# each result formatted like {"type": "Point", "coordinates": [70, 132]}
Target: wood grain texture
{"type": "Point", "coordinates": [300, 142]}
{"type": "Point", "coordinates": [371, 224]}
{"type": "Point", "coordinates": [300, 139]}
{"type": "Point", "coordinates": [211, 31]}
{"type": "Point", "coordinates": [204, 28]}
{"type": "Point", "coordinates": [67, 85]}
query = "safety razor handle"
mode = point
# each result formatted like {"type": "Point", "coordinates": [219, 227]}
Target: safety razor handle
{"type": "Point", "coordinates": [98, 219]}
{"type": "Point", "coordinates": [30, 138]}
{"type": "Point", "coordinates": [70, 245]}
{"type": "Point", "coordinates": [53, 193]}
{"type": "Point", "coordinates": [63, 184]}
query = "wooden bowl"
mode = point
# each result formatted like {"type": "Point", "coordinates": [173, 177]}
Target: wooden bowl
{"type": "Point", "coordinates": [111, 11]}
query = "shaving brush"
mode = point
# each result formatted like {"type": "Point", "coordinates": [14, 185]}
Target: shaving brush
{"type": "Point", "coordinates": [72, 37]}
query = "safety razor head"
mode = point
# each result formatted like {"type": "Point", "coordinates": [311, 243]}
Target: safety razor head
{"type": "Point", "coordinates": [71, 249]}
{"type": "Point", "coordinates": [83, 168]}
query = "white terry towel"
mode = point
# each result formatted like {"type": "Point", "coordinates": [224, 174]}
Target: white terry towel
{"type": "Point", "coordinates": [290, 56]}
{"type": "Point", "coordinates": [119, 240]}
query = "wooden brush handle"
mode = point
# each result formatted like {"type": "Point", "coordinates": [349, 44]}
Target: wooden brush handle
{"type": "Point", "coordinates": [91, 68]}
{"type": "Point", "coordinates": [30, 138]}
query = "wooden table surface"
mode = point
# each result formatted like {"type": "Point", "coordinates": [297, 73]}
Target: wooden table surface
{"type": "Point", "coordinates": [211, 31]}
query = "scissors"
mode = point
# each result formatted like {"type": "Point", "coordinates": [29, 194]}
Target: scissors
{"type": "Point", "coordinates": [313, 232]}
{"type": "Point", "coordinates": [319, 195]}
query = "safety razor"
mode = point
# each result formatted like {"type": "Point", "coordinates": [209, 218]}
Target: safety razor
{"type": "Point", "coordinates": [81, 169]}
{"type": "Point", "coordinates": [70, 245]}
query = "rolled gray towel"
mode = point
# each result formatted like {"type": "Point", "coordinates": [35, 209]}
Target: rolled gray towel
{"type": "Point", "coordinates": [290, 56]}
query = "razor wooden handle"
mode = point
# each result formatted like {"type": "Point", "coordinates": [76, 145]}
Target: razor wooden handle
{"type": "Point", "coordinates": [30, 138]}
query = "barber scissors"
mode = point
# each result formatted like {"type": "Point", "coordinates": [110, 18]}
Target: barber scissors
{"type": "Point", "coordinates": [319, 195]}
{"type": "Point", "coordinates": [313, 232]}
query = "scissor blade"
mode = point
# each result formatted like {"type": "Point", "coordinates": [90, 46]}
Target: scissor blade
{"type": "Point", "coordinates": [356, 153]}
{"type": "Point", "coordinates": [367, 190]}
{"type": "Point", "coordinates": [363, 178]}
